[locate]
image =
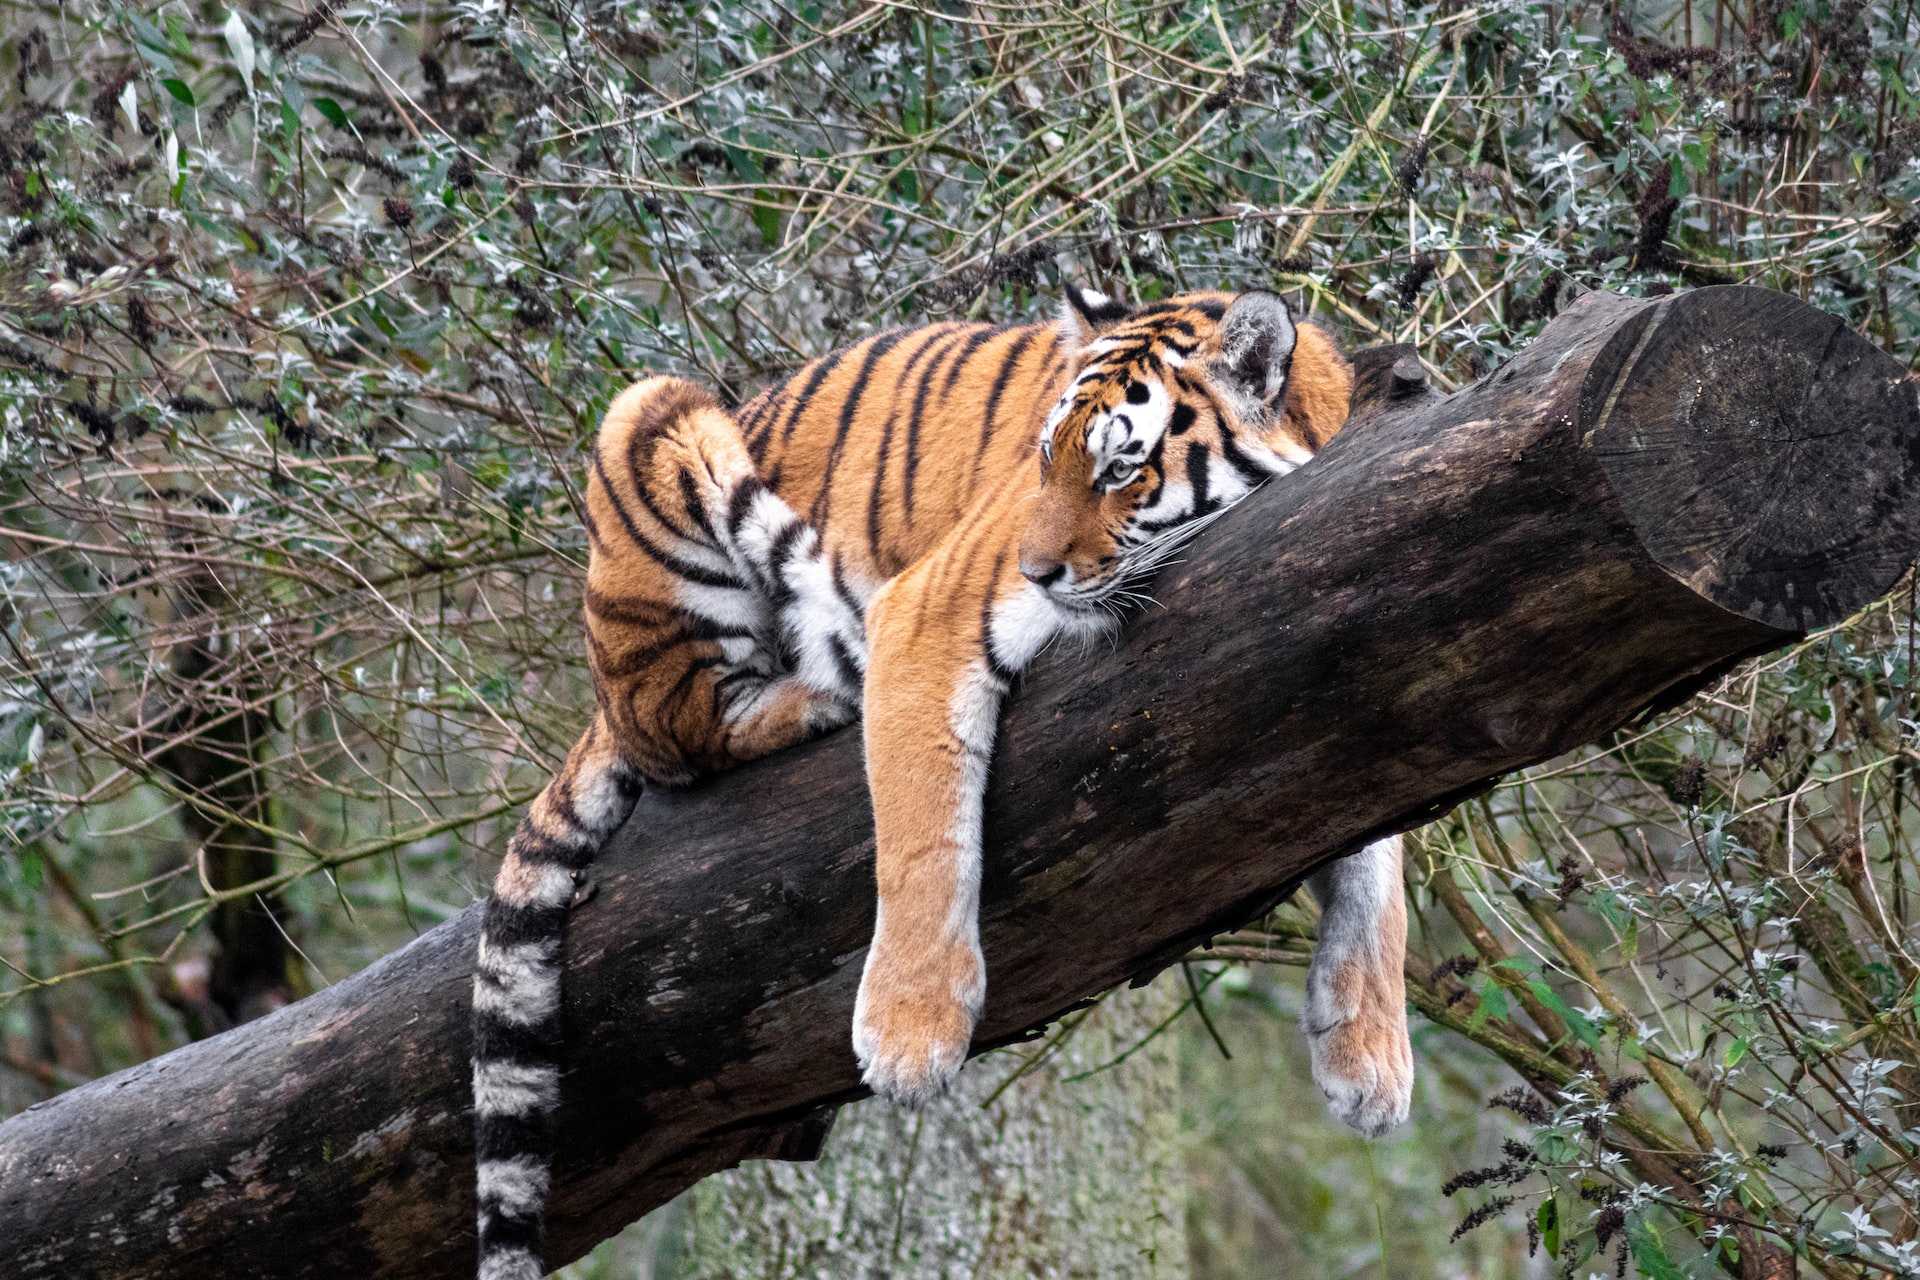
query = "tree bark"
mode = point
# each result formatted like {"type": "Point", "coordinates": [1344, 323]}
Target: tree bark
{"type": "Point", "coordinates": [1067, 1169]}
{"type": "Point", "coordinates": [1458, 587]}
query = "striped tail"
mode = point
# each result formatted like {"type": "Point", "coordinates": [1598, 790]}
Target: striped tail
{"type": "Point", "coordinates": [516, 998]}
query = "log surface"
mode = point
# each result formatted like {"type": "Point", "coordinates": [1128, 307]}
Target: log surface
{"type": "Point", "coordinates": [1459, 586]}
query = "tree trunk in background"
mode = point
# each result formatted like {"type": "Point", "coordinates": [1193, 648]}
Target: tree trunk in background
{"type": "Point", "coordinates": [221, 732]}
{"type": "Point", "coordinates": [1058, 1178]}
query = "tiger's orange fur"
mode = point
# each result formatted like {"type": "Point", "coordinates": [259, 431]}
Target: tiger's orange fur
{"type": "Point", "coordinates": [880, 531]}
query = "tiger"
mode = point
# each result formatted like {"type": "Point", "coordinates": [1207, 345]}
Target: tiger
{"type": "Point", "coordinates": [892, 534]}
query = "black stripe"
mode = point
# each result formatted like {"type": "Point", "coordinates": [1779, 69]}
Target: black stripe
{"type": "Point", "coordinates": [841, 589]}
{"type": "Point", "coordinates": [823, 367]}
{"type": "Point", "coordinates": [683, 687]}
{"type": "Point", "coordinates": [762, 433]}
{"type": "Point", "coordinates": [1056, 367]}
{"type": "Point", "coordinates": [741, 503]}
{"type": "Point", "coordinates": [723, 688]}
{"type": "Point", "coordinates": [1206, 307]}
{"type": "Point", "coordinates": [642, 488]}
{"type": "Point", "coordinates": [919, 413]}
{"type": "Point", "coordinates": [1157, 463]}
{"type": "Point", "coordinates": [967, 353]}
{"type": "Point", "coordinates": [537, 849]}
{"type": "Point", "coordinates": [690, 494]}
{"type": "Point", "coordinates": [755, 411]}
{"type": "Point", "coordinates": [1197, 476]}
{"type": "Point", "coordinates": [874, 552]}
{"type": "Point", "coordinates": [505, 1137]}
{"type": "Point", "coordinates": [668, 763]}
{"type": "Point", "coordinates": [495, 1039]}
{"type": "Point", "coordinates": [510, 926]}
{"type": "Point", "coordinates": [998, 669]}
{"type": "Point", "coordinates": [1000, 380]}
{"type": "Point", "coordinates": [631, 610]}
{"type": "Point", "coordinates": [778, 555]}
{"type": "Point", "coordinates": [1128, 351]}
{"type": "Point", "coordinates": [1250, 471]}
{"type": "Point", "coordinates": [1201, 391]}
{"type": "Point", "coordinates": [498, 1232]}
{"type": "Point", "coordinates": [560, 800]}
{"type": "Point", "coordinates": [696, 630]}
{"type": "Point", "coordinates": [843, 660]}
{"type": "Point", "coordinates": [850, 405]}
{"type": "Point", "coordinates": [1182, 419]}
{"type": "Point", "coordinates": [691, 572]}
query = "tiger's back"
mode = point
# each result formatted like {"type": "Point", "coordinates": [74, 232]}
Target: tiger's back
{"type": "Point", "coordinates": [885, 444]}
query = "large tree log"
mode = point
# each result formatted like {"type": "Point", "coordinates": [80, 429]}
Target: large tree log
{"type": "Point", "coordinates": [1460, 586]}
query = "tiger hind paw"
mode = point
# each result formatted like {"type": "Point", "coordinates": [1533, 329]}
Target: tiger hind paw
{"type": "Point", "coordinates": [1357, 1039]}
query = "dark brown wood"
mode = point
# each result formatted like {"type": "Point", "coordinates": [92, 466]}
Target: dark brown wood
{"type": "Point", "coordinates": [1460, 585]}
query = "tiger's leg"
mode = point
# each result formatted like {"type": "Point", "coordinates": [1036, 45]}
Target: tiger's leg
{"type": "Point", "coordinates": [1356, 1015]}
{"type": "Point", "coordinates": [933, 702]}
{"type": "Point", "coordinates": [820, 610]}
{"type": "Point", "coordinates": [941, 667]}
{"type": "Point", "coordinates": [739, 630]}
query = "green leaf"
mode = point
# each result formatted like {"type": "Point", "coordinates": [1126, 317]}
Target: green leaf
{"type": "Point", "coordinates": [1735, 1051]}
{"type": "Point", "coordinates": [1493, 1004]}
{"type": "Point", "coordinates": [289, 118]}
{"type": "Point", "coordinates": [240, 42]}
{"type": "Point", "coordinates": [1549, 1220]}
{"type": "Point", "coordinates": [331, 110]}
{"type": "Point", "coordinates": [744, 163]}
{"type": "Point", "coordinates": [1577, 1022]}
{"type": "Point", "coordinates": [1677, 184]}
{"type": "Point", "coordinates": [178, 88]}
{"type": "Point", "coordinates": [1650, 1255]}
{"type": "Point", "coordinates": [768, 220]}
{"type": "Point", "coordinates": [152, 37]}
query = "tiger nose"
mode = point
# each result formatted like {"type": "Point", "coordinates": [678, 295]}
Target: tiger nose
{"type": "Point", "coordinates": [1041, 571]}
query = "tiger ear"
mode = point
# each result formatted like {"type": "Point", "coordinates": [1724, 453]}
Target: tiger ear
{"type": "Point", "coordinates": [1086, 314]}
{"type": "Point", "coordinates": [1256, 346]}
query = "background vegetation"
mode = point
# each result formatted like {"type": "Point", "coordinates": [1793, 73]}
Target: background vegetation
{"type": "Point", "coordinates": [307, 310]}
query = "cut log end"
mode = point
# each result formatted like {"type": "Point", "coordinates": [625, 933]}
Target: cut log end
{"type": "Point", "coordinates": [1764, 452]}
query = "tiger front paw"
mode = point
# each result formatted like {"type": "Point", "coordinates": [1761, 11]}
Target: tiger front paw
{"type": "Point", "coordinates": [1356, 1024]}
{"type": "Point", "coordinates": [911, 1034]}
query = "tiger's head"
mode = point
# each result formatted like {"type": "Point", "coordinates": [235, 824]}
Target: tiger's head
{"type": "Point", "coordinates": [1174, 412]}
